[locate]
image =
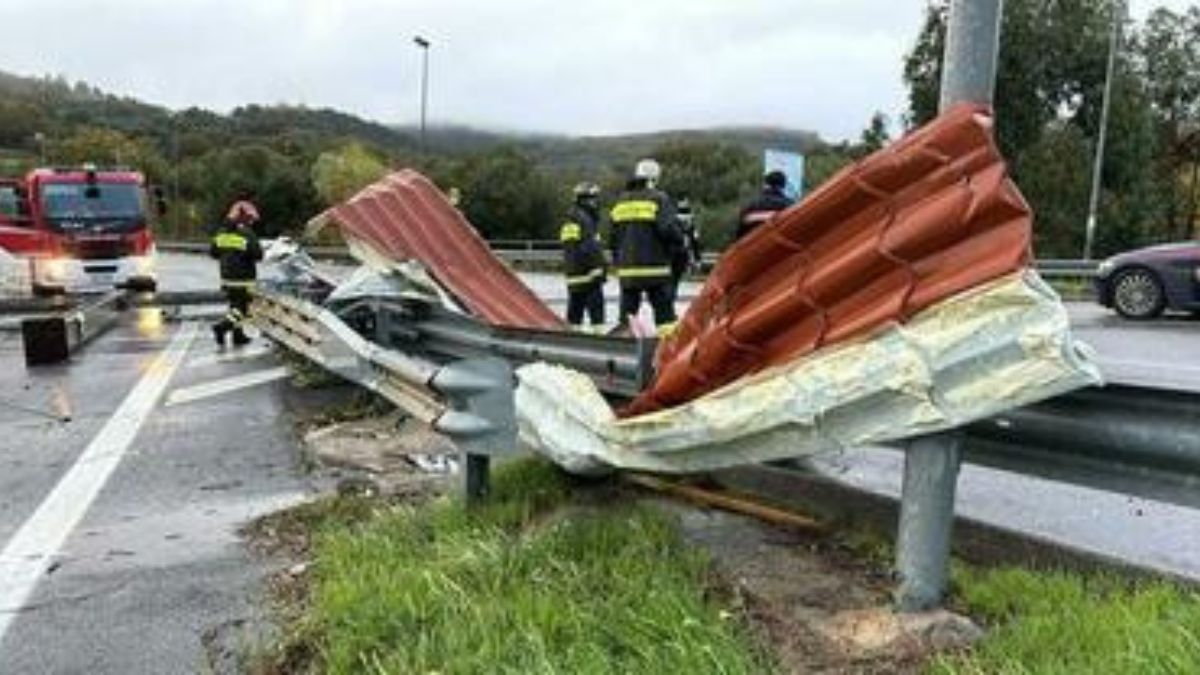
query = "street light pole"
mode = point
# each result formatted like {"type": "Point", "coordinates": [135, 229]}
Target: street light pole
{"type": "Point", "coordinates": [424, 45]}
{"type": "Point", "coordinates": [1118, 15]}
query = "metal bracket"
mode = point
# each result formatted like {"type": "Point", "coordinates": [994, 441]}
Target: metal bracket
{"type": "Point", "coordinates": [482, 420]}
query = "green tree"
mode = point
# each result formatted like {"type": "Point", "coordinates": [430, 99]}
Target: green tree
{"type": "Point", "coordinates": [505, 195]}
{"type": "Point", "coordinates": [106, 147]}
{"type": "Point", "coordinates": [1049, 92]}
{"type": "Point", "coordinates": [338, 174]}
{"type": "Point", "coordinates": [280, 186]}
{"type": "Point", "coordinates": [876, 135]}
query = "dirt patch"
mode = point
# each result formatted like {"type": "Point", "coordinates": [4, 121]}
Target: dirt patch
{"type": "Point", "coordinates": [820, 606]}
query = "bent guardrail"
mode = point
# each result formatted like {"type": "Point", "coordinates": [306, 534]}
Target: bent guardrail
{"type": "Point", "coordinates": [468, 400]}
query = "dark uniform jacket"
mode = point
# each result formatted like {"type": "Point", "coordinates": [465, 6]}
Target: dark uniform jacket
{"type": "Point", "coordinates": [238, 250]}
{"type": "Point", "coordinates": [762, 209]}
{"type": "Point", "coordinates": [645, 235]}
{"type": "Point", "coordinates": [583, 256]}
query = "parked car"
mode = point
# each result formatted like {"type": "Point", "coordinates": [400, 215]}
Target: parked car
{"type": "Point", "coordinates": [1141, 284]}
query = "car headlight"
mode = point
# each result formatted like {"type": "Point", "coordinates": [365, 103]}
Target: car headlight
{"type": "Point", "coordinates": [1105, 267]}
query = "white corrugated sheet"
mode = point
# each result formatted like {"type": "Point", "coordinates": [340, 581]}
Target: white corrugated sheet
{"type": "Point", "coordinates": [985, 351]}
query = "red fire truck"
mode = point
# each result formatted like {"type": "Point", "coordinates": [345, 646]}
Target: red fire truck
{"type": "Point", "coordinates": [83, 229]}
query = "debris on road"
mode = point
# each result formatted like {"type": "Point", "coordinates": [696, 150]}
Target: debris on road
{"type": "Point", "coordinates": [895, 301]}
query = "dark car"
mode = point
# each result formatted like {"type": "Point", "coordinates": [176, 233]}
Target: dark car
{"type": "Point", "coordinates": [1141, 284]}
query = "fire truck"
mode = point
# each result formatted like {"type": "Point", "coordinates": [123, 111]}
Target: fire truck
{"type": "Point", "coordinates": [82, 228]}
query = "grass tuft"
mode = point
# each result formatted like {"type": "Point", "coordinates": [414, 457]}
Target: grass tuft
{"type": "Point", "coordinates": [1054, 622]}
{"type": "Point", "coordinates": [503, 588]}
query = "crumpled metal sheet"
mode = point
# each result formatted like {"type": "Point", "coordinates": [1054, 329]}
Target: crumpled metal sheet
{"type": "Point", "coordinates": [913, 224]}
{"type": "Point", "coordinates": [995, 347]}
{"type": "Point", "coordinates": [405, 217]}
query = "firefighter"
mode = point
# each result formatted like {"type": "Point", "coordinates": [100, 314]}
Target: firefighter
{"type": "Point", "coordinates": [236, 246]}
{"type": "Point", "coordinates": [687, 256]}
{"type": "Point", "coordinates": [765, 205]}
{"type": "Point", "coordinates": [645, 233]}
{"type": "Point", "coordinates": [583, 257]}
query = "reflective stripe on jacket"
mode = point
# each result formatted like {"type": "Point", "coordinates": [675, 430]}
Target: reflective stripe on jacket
{"type": "Point", "coordinates": [583, 256]}
{"type": "Point", "coordinates": [645, 234]}
{"type": "Point", "coordinates": [238, 250]}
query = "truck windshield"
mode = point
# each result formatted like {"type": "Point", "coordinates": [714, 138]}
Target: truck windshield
{"type": "Point", "coordinates": [69, 206]}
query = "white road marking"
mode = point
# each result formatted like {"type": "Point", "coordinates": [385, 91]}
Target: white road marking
{"type": "Point", "coordinates": [231, 356]}
{"type": "Point", "coordinates": [226, 385]}
{"type": "Point", "coordinates": [29, 553]}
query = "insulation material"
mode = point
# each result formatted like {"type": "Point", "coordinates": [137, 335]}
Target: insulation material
{"type": "Point", "coordinates": [913, 224]}
{"type": "Point", "coordinates": [1001, 345]}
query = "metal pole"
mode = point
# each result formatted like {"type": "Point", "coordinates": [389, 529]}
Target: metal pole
{"type": "Point", "coordinates": [175, 206]}
{"type": "Point", "coordinates": [424, 45]}
{"type": "Point", "coordinates": [972, 49]}
{"type": "Point", "coordinates": [1118, 14]}
{"type": "Point", "coordinates": [931, 463]}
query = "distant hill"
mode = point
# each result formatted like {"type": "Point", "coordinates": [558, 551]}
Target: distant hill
{"type": "Point", "coordinates": [59, 103]}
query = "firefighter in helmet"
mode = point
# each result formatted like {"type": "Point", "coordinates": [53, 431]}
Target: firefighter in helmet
{"type": "Point", "coordinates": [583, 257]}
{"type": "Point", "coordinates": [237, 248]}
{"type": "Point", "coordinates": [645, 234]}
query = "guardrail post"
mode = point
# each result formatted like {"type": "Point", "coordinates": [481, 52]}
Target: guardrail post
{"type": "Point", "coordinates": [931, 465]}
{"type": "Point", "coordinates": [482, 421]}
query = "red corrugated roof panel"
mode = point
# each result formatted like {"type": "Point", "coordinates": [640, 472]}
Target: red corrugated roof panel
{"type": "Point", "coordinates": [930, 216]}
{"type": "Point", "coordinates": [404, 216]}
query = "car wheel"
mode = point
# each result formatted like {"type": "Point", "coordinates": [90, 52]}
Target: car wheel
{"type": "Point", "coordinates": [1138, 294]}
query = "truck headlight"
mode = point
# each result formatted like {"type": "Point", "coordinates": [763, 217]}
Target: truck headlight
{"type": "Point", "coordinates": [53, 269]}
{"type": "Point", "coordinates": [143, 265]}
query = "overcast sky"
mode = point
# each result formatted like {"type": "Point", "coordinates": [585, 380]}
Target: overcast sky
{"type": "Point", "coordinates": [533, 65]}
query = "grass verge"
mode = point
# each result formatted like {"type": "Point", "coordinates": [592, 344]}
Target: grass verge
{"type": "Point", "coordinates": [1060, 622]}
{"type": "Point", "coordinates": [524, 584]}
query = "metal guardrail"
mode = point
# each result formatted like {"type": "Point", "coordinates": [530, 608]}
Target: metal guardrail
{"type": "Point", "coordinates": [469, 400]}
{"type": "Point", "coordinates": [618, 365]}
{"type": "Point", "coordinates": [52, 338]}
{"type": "Point", "coordinates": [1123, 438]}
{"type": "Point", "coordinates": [546, 253]}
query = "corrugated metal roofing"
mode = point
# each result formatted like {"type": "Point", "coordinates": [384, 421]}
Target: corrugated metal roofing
{"type": "Point", "coordinates": [404, 216]}
{"type": "Point", "coordinates": [913, 224]}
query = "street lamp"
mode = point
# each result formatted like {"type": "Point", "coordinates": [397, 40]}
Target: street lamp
{"type": "Point", "coordinates": [424, 45]}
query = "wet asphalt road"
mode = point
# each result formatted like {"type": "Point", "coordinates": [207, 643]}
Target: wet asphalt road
{"type": "Point", "coordinates": [155, 561]}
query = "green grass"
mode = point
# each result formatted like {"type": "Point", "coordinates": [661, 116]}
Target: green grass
{"type": "Point", "coordinates": [516, 587]}
{"type": "Point", "coordinates": [1057, 622]}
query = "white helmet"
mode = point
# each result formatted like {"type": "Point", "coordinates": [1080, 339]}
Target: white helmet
{"type": "Point", "coordinates": [648, 170]}
{"type": "Point", "coordinates": [586, 190]}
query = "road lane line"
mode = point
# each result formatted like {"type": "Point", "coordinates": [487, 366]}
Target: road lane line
{"type": "Point", "coordinates": [30, 551]}
{"type": "Point", "coordinates": [225, 385]}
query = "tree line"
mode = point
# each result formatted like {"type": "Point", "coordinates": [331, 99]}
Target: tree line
{"type": "Point", "coordinates": [298, 160]}
{"type": "Point", "coordinates": [1049, 93]}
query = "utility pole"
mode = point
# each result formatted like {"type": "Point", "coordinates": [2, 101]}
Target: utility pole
{"type": "Point", "coordinates": [931, 463]}
{"type": "Point", "coordinates": [1114, 40]}
{"type": "Point", "coordinates": [175, 206]}
{"type": "Point", "coordinates": [40, 139]}
{"type": "Point", "coordinates": [424, 46]}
